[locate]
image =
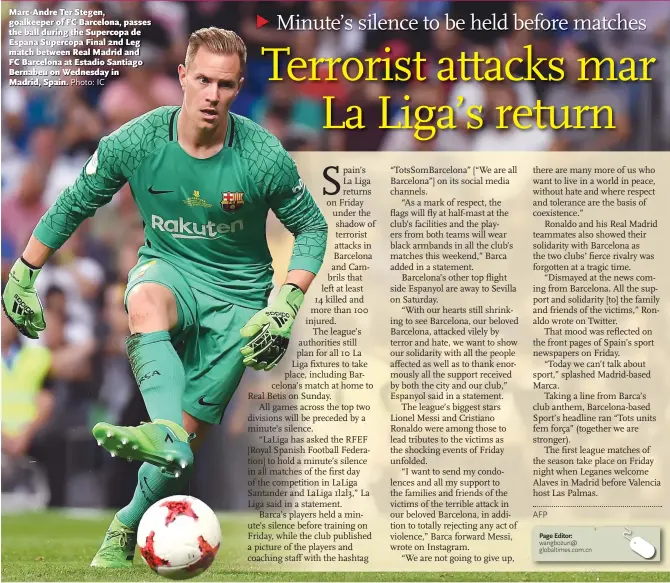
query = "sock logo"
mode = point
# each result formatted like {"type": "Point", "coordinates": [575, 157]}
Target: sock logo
{"type": "Point", "coordinates": [150, 499]}
{"type": "Point", "coordinates": [148, 376]}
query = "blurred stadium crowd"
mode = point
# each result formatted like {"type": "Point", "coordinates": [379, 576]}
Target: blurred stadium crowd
{"type": "Point", "coordinates": [79, 369]}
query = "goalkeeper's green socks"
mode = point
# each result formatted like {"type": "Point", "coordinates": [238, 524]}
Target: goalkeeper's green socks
{"type": "Point", "coordinates": [159, 374]}
{"type": "Point", "coordinates": [152, 486]}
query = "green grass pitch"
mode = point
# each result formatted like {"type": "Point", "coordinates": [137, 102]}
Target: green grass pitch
{"type": "Point", "coordinates": [54, 546]}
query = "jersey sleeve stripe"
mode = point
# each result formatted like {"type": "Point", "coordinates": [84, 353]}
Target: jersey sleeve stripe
{"type": "Point", "coordinates": [171, 131]}
{"type": "Point", "coordinates": [231, 120]}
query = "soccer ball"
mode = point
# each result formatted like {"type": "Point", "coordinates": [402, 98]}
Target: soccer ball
{"type": "Point", "coordinates": [179, 537]}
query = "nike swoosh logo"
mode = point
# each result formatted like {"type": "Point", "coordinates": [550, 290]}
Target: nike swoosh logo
{"type": "Point", "coordinates": [152, 191]}
{"type": "Point", "coordinates": [202, 401]}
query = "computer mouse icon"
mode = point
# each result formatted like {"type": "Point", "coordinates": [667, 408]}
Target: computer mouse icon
{"type": "Point", "coordinates": [643, 548]}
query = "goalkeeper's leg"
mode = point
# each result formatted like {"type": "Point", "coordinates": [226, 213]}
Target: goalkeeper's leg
{"type": "Point", "coordinates": [118, 548]}
{"type": "Point", "coordinates": [154, 312]}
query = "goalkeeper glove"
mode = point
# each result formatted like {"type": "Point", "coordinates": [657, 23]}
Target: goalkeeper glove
{"type": "Point", "coordinates": [20, 301]}
{"type": "Point", "coordinates": [270, 329]}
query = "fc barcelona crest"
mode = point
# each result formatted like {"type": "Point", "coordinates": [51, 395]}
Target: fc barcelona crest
{"type": "Point", "coordinates": [231, 201]}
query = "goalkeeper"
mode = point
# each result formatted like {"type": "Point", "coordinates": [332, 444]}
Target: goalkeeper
{"type": "Point", "coordinates": [204, 180]}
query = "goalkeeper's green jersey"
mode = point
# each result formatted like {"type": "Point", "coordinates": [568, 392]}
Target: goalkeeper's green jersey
{"type": "Point", "coordinates": [207, 217]}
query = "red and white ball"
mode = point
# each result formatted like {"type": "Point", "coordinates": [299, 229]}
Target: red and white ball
{"type": "Point", "coordinates": [179, 537]}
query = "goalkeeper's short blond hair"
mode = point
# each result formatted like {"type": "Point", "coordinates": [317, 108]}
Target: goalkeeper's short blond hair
{"type": "Point", "coordinates": [217, 40]}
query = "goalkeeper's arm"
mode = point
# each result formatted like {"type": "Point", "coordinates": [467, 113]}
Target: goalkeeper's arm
{"type": "Point", "coordinates": [269, 330]}
{"type": "Point", "coordinates": [101, 178]}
